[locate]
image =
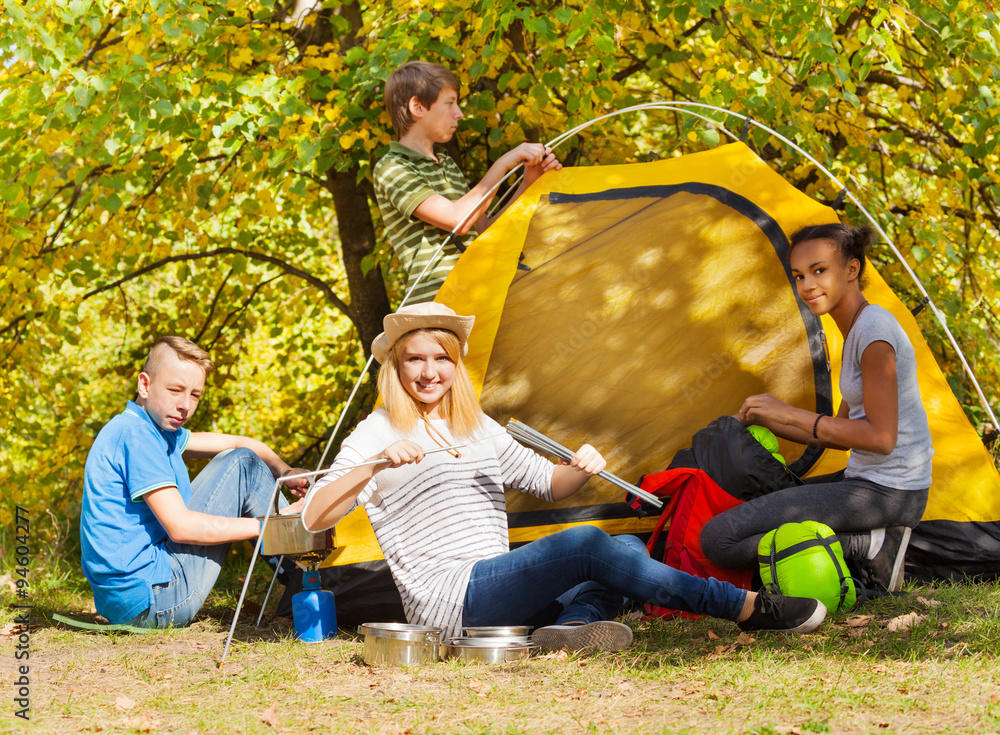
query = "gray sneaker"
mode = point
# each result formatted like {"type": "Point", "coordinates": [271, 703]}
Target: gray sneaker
{"type": "Point", "coordinates": [604, 635]}
{"type": "Point", "coordinates": [885, 571]}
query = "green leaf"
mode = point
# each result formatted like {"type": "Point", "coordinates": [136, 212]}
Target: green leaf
{"type": "Point", "coordinates": [605, 44]}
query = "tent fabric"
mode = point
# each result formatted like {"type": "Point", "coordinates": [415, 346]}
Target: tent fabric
{"type": "Point", "coordinates": [657, 300]}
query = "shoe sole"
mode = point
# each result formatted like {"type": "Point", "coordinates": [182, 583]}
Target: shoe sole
{"type": "Point", "coordinates": [814, 621]}
{"type": "Point", "coordinates": [896, 578]}
{"type": "Point", "coordinates": [604, 635]}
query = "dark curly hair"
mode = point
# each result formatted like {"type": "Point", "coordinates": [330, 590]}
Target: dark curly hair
{"type": "Point", "coordinates": [852, 242]}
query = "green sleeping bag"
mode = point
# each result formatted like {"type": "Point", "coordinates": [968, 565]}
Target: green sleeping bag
{"type": "Point", "coordinates": [806, 560]}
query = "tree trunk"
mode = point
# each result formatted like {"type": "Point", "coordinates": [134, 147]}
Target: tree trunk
{"type": "Point", "coordinates": [369, 302]}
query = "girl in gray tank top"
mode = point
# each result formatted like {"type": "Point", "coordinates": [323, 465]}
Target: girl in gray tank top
{"type": "Point", "coordinates": [881, 495]}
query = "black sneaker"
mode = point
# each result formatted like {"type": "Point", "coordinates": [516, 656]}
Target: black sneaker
{"type": "Point", "coordinates": [885, 571]}
{"type": "Point", "coordinates": [604, 635]}
{"type": "Point", "coordinates": [784, 614]}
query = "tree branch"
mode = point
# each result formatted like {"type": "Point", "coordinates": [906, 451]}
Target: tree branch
{"type": "Point", "coordinates": [288, 268]}
{"type": "Point", "coordinates": [236, 313]}
{"type": "Point", "coordinates": [211, 309]}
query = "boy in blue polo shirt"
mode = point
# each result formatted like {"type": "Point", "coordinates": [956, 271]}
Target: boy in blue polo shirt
{"type": "Point", "coordinates": [153, 542]}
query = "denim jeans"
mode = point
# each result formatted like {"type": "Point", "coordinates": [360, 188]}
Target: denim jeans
{"type": "Point", "coordinates": [583, 575]}
{"type": "Point", "coordinates": [236, 483]}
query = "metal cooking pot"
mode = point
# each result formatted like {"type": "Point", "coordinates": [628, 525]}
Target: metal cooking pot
{"type": "Point", "coordinates": [497, 631]}
{"type": "Point", "coordinates": [285, 535]}
{"type": "Point", "coordinates": [400, 643]}
{"type": "Point", "coordinates": [465, 649]}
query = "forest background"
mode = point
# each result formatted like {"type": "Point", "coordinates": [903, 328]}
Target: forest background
{"type": "Point", "coordinates": [204, 169]}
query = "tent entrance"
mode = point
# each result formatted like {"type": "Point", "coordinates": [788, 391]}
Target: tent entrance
{"type": "Point", "coordinates": [668, 331]}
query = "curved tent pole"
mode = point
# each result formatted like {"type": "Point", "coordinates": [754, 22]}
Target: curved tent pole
{"type": "Point", "coordinates": [562, 138]}
{"type": "Point", "coordinates": [680, 107]}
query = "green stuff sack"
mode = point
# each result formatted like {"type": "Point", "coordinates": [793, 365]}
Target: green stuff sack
{"type": "Point", "coordinates": [767, 440]}
{"type": "Point", "coordinates": [806, 560]}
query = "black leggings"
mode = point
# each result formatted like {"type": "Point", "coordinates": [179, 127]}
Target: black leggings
{"type": "Point", "coordinates": [852, 507]}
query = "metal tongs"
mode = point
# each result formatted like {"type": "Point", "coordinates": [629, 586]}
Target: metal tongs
{"type": "Point", "coordinates": [537, 440]}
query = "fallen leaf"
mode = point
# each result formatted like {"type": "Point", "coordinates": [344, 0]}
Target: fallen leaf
{"type": "Point", "coordinates": [9, 581]}
{"type": "Point", "coordinates": [555, 656]}
{"type": "Point", "coordinates": [142, 723]}
{"type": "Point", "coordinates": [625, 687]}
{"type": "Point", "coordinates": [124, 704]}
{"type": "Point", "coordinates": [270, 715]}
{"type": "Point", "coordinates": [476, 685]}
{"type": "Point", "coordinates": [994, 699]}
{"type": "Point", "coordinates": [859, 621]}
{"type": "Point", "coordinates": [928, 603]}
{"type": "Point", "coordinates": [712, 636]}
{"type": "Point", "coordinates": [250, 608]}
{"type": "Point", "coordinates": [7, 629]}
{"type": "Point", "coordinates": [905, 622]}
{"type": "Point", "coordinates": [744, 639]}
{"type": "Point", "coordinates": [789, 729]}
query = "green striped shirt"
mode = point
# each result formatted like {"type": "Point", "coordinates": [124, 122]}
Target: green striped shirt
{"type": "Point", "coordinates": [404, 179]}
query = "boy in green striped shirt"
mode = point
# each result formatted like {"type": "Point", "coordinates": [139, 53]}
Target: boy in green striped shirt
{"type": "Point", "coordinates": [421, 192]}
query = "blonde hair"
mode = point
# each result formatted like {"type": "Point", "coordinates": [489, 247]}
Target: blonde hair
{"type": "Point", "coordinates": [460, 405]}
{"type": "Point", "coordinates": [185, 349]}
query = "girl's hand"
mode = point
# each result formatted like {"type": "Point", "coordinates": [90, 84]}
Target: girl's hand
{"type": "Point", "coordinates": [295, 507]}
{"type": "Point", "coordinates": [764, 407]}
{"type": "Point", "coordinates": [588, 460]}
{"type": "Point", "coordinates": [402, 452]}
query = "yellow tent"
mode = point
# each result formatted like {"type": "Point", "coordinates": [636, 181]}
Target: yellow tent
{"type": "Point", "coordinates": [657, 300]}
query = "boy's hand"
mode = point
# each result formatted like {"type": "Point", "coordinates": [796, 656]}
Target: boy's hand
{"type": "Point", "coordinates": [299, 485]}
{"type": "Point", "coordinates": [549, 162]}
{"type": "Point", "coordinates": [537, 159]}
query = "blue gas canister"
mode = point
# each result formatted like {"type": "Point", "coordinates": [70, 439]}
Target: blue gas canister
{"type": "Point", "coordinates": [313, 611]}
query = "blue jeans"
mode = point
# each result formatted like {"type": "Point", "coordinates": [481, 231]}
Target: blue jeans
{"type": "Point", "coordinates": [235, 484]}
{"type": "Point", "coordinates": [582, 575]}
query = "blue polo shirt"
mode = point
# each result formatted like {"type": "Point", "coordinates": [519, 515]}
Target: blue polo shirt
{"type": "Point", "coordinates": [123, 542]}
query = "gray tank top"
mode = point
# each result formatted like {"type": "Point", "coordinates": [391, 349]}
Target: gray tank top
{"type": "Point", "coordinates": [908, 467]}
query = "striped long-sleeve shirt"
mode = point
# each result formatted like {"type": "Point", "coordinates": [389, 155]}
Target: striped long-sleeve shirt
{"type": "Point", "coordinates": [404, 179]}
{"type": "Point", "coordinates": [434, 520]}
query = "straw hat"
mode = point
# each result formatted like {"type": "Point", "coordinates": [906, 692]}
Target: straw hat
{"type": "Point", "coordinates": [429, 315]}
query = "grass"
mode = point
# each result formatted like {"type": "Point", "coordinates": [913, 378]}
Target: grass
{"type": "Point", "coordinates": [855, 675]}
